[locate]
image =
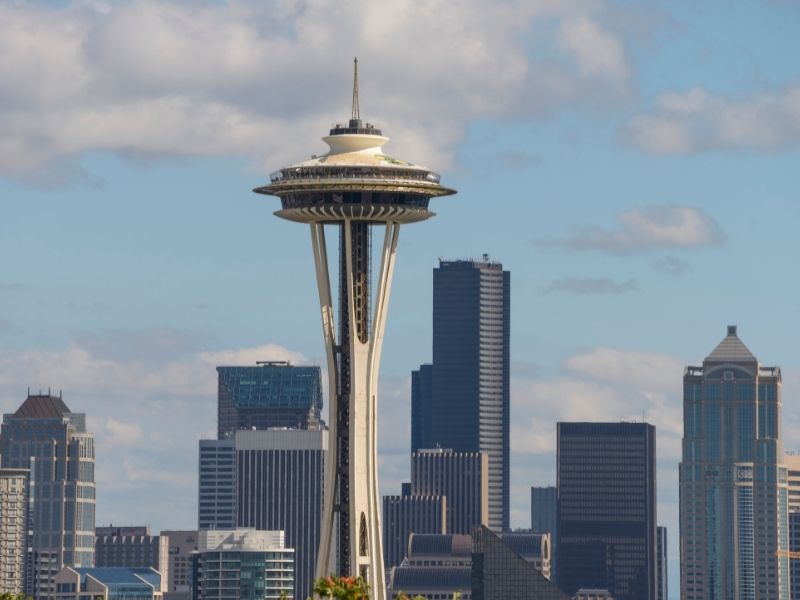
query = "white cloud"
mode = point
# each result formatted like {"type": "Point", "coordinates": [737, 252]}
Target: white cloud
{"type": "Point", "coordinates": [123, 433]}
{"type": "Point", "coordinates": [598, 52]}
{"type": "Point", "coordinates": [698, 120]}
{"type": "Point", "coordinates": [646, 229]}
{"type": "Point", "coordinates": [592, 285]}
{"type": "Point", "coordinates": [162, 77]}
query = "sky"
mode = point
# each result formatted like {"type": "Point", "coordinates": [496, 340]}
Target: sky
{"type": "Point", "coordinates": [632, 163]}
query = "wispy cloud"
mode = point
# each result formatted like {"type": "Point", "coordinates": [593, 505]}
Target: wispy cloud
{"type": "Point", "coordinates": [643, 230]}
{"type": "Point", "coordinates": [697, 120]}
{"type": "Point", "coordinates": [671, 265]}
{"type": "Point", "coordinates": [592, 285]}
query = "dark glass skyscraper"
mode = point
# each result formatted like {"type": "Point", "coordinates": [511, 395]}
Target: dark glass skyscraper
{"type": "Point", "coordinates": [469, 400]}
{"type": "Point", "coordinates": [421, 391]}
{"type": "Point", "coordinates": [607, 508]}
{"type": "Point", "coordinates": [270, 394]}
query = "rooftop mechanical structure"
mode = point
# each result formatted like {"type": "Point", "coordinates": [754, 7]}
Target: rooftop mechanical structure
{"type": "Point", "coordinates": [354, 189]}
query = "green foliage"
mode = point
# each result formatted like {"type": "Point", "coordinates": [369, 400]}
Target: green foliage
{"type": "Point", "coordinates": [8, 596]}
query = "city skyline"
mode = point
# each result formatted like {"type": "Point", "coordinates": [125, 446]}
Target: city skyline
{"type": "Point", "coordinates": [136, 261]}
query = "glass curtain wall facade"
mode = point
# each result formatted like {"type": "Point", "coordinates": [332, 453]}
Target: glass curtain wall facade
{"type": "Point", "coordinates": [47, 438]}
{"type": "Point", "coordinates": [421, 391]}
{"type": "Point", "coordinates": [469, 406]}
{"type": "Point", "coordinates": [734, 497]}
{"type": "Point", "coordinates": [607, 508]}
{"type": "Point", "coordinates": [270, 394]}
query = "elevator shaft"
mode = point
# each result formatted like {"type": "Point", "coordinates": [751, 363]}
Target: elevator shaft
{"type": "Point", "coordinates": [355, 323]}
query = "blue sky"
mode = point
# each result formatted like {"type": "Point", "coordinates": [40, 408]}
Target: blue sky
{"type": "Point", "coordinates": [633, 164]}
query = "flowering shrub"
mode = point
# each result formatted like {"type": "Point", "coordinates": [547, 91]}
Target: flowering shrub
{"type": "Point", "coordinates": [342, 588]}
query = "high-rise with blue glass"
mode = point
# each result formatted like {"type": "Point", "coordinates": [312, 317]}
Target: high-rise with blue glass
{"type": "Point", "coordinates": [733, 483]}
{"type": "Point", "coordinates": [267, 395]}
{"type": "Point", "coordinates": [50, 440]}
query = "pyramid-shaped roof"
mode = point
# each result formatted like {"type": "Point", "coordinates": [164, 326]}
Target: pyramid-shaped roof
{"type": "Point", "coordinates": [42, 407]}
{"type": "Point", "coordinates": [731, 350]}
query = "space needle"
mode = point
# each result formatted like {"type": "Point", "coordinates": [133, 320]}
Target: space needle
{"type": "Point", "coordinates": [354, 189]}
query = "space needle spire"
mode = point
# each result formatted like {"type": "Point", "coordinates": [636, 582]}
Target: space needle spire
{"type": "Point", "coordinates": [353, 190]}
{"type": "Point", "coordinates": [355, 114]}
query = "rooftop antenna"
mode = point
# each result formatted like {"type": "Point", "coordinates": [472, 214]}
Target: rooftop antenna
{"type": "Point", "coordinates": [356, 113]}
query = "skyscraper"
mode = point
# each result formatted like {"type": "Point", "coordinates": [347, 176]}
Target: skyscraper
{"type": "Point", "coordinates": [469, 403]}
{"type": "Point", "coordinates": [406, 515]}
{"type": "Point", "coordinates": [269, 394]}
{"type": "Point", "coordinates": [607, 509]}
{"type": "Point", "coordinates": [13, 529]}
{"type": "Point", "coordinates": [268, 480]}
{"type": "Point", "coordinates": [216, 484]}
{"type": "Point", "coordinates": [544, 509]}
{"type": "Point", "coordinates": [354, 189]}
{"type": "Point", "coordinates": [45, 436]}
{"type": "Point", "coordinates": [421, 391]}
{"type": "Point", "coordinates": [461, 478]}
{"type": "Point", "coordinates": [661, 565]}
{"type": "Point", "coordinates": [733, 483]}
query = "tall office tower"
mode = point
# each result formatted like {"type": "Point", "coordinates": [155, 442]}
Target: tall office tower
{"type": "Point", "coordinates": [469, 408]}
{"type": "Point", "coordinates": [461, 477]}
{"type": "Point", "coordinates": [607, 508]}
{"type": "Point", "coordinates": [269, 480]}
{"type": "Point", "coordinates": [498, 571]}
{"type": "Point", "coordinates": [544, 509]}
{"type": "Point", "coordinates": [404, 515]}
{"type": "Point", "coordinates": [280, 478]}
{"type": "Point", "coordinates": [181, 547]}
{"type": "Point", "coordinates": [662, 579]}
{"type": "Point", "coordinates": [421, 391]}
{"type": "Point", "coordinates": [354, 189]}
{"type": "Point", "coordinates": [216, 484]}
{"type": "Point", "coordinates": [733, 483]}
{"type": "Point", "coordinates": [132, 547]}
{"type": "Point", "coordinates": [45, 436]}
{"type": "Point", "coordinates": [13, 529]}
{"type": "Point", "coordinates": [243, 564]}
{"type": "Point", "coordinates": [269, 394]}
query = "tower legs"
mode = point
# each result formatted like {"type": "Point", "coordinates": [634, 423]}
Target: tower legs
{"type": "Point", "coordinates": [350, 540]}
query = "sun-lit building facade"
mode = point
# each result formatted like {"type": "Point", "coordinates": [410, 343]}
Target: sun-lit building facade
{"type": "Point", "coordinates": [733, 483]}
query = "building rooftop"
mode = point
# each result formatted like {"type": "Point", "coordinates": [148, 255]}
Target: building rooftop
{"type": "Point", "coordinates": [40, 406]}
{"type": "Point", "coordinates": [434, 544]}
{"type": "Point", "coordinates": [273, 385]}
{"type": "Point", "coordinates": [446, 578]}
{"type": "Point", "coordinates": [731, 350]}
{"type": "Point", "coordinates": [113, 576]}
{"type": "Point", "coordinates": [524, 544]}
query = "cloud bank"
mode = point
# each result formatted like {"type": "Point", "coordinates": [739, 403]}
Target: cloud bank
{"type": "Point", "coordinates": [259, 79]}
{"type": "Point", "coordinates": [697, 120]}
